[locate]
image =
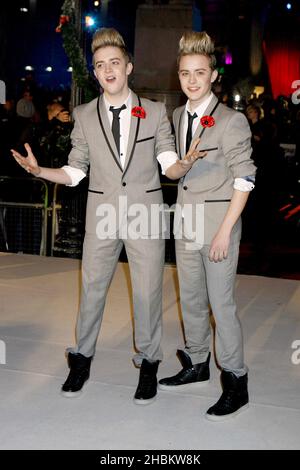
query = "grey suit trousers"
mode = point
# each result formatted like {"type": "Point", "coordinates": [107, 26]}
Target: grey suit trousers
{"type": "Point", "coordinates": [146, 262]}
{"type": "Point", "coordinates": [202, 283]}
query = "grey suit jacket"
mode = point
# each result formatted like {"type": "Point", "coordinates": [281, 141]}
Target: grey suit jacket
{"type": "Point", "coordinates": [210, 181]}
{"type": "Point", "coordinates": [139, 182]}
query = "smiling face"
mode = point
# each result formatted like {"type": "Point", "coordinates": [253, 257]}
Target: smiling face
{"type": "Point", "coordinates": [196, 78]}
{"type": "Point", "coordinates": [111, 70]}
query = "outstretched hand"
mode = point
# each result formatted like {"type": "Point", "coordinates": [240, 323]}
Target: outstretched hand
{"type": "Point", "coordinates": [192, 155]}
{"type": "Point", "coordinates": [29, 163]}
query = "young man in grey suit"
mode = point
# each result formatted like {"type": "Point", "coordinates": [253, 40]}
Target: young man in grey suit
{"type": "Point", "coordinates": [120, 136]}
{"type": "Point", "coordinates": [211, 197]}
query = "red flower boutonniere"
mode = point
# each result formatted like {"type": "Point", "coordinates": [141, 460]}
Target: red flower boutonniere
{"type": "Point", "coordinates": [63, 19]}
{"type": "Point", "coordinates": [207, 121]}
{"type": "Point", "coordinates": [138, 112]}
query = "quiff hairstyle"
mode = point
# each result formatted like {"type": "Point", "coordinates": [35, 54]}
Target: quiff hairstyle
{"type": "Point", "coordinates": [193, 42]}
{"type": "Point", "coordinates": [105, 37]}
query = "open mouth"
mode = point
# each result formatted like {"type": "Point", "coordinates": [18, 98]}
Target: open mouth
{"type": "Point", "coordinates": [110, 79]}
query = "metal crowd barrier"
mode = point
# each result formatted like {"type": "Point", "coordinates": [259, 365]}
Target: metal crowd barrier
{"type": "Point", "coordinates": [23, 214]}
{"type": "Point", "coordinates": [68, 219]}
{"type": "Point", "coordinates": [26, 203]}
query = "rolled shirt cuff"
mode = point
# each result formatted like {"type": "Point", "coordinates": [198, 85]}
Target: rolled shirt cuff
{"type": "Point", "coordinates": [166, 159]}
{"type": "Point", "coordinates": [243, 184]}
{"type": "Point", "coordinates": [75, 174]}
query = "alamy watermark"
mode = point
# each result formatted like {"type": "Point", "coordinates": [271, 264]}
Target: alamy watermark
{"type": "Point", "coordinates": [296, 93]}
{"type": "Point", "coordinates": [2, 352]}
{"type": "Point", "coordinates": [295, 358]}
{"type": "Point", "coordinates": [2, 92]}
{"type": "Point", "coordinates": [140, 221]}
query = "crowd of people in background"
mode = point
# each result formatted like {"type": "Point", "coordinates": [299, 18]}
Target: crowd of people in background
{"type": "Point", "coordinates": [43, 119]}
{"type": "Point", "coordinates": [39, 117]}
{"type": "Point", "coordinates": [271, 125]}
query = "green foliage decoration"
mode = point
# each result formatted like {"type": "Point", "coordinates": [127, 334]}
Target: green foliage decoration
{"type": "Point", "coordinates": [67, 28]}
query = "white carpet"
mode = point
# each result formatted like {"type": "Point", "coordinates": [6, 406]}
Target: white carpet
{"type": "Point", "coordinates": [39, 301]}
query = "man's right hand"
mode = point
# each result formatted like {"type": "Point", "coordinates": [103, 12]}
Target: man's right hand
{"type": "Point", "coordinates": [29, 163]}
{"type": "Point", "coordinates": [192, 156]}
{"type": "Point", "coordinates": [181, 167]}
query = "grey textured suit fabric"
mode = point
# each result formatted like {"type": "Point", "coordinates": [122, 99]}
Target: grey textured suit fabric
{"type": "Point", "coordinates": [203, 283]}
{"type": "Point", "coordinates": [210, 181]}
{"type": "Point", "coordinates": [118, 190]}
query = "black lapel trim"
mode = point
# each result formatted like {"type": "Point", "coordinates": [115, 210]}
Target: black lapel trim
{"type": "Point", "coordinates": [179, 134]}
{"type": "Point", "coordinates": [135, 139]}
{"type": "Point", "coordinates": [202, 130]}
{"type": "Point", "coordinates": [105, 136]}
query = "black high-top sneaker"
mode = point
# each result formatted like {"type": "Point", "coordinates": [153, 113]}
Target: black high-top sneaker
{"type": "Point", "coordinates": [79, 373]}
{"type": "Point", "coordinates": [190, 376]}
{"type": "Point", "coordinates": [147, 386]}
{"type": "Point", "coordinates": [233, 400]}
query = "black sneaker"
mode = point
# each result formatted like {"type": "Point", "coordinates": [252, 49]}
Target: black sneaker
{"type": "Point", "coordinates": [79, 373]}
{"type": "Point", "coordinates": [192, 375]}
{"type": "Point", "coordinates": [233, 400]}
{"type": "Point", "coordinates": [147, 386]}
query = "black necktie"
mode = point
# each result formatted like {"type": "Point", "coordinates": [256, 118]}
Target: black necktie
{"type": "Point", "coordinates": [115, 127]}
{"type": "Point", "coordinates": [189, 133]}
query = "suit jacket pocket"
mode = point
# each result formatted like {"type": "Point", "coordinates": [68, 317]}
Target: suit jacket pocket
{"type": "Point", "coordinates": [208, 149]}
{"type": "Point", "coordinates": [153, 190]}
{"type": "Point", "coordinates": [94, 191]}
{"type": "Point", "coordinates": [217, 200]}
{"type": "Point", "coordinates": [144, 140]}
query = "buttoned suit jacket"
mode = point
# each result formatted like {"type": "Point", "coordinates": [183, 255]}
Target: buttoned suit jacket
{"type": "Point", "coordinates": [139, 182]}
{"type": "Point", "coordinates": [210, 181]}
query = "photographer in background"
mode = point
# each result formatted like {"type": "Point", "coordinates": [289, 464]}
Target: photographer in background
{"type": "Point", "coordinates": [51, 136]}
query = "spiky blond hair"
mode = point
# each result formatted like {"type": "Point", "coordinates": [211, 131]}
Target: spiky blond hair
{"type": "Point", "coordinates": [193, 42]}
{"type": "Point", "coordinates": [109, 37]}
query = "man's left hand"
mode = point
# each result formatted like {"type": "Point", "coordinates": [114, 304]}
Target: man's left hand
{"type": "Point", "coordinates": [219, 247]}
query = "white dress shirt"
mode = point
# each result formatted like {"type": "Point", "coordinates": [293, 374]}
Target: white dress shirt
{"type": "Point", "coordinates": [125, 118]}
